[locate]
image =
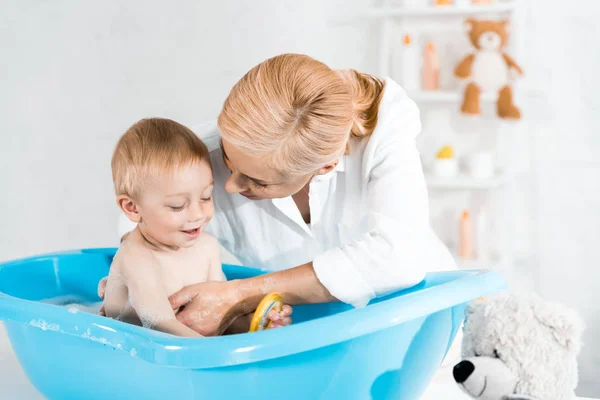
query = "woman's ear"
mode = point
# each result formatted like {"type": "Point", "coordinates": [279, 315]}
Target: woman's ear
{"type": "Point", "coordinates": [328, 167]}
{"type": "Point", "coordinates": [129, 207]}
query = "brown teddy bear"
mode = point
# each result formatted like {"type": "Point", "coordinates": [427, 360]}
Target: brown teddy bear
{"type": "Point", "coordinates": [488, 69]}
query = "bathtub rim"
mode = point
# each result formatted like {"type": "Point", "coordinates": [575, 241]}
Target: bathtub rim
{"type": "Point", "coordinates": [214, 352]}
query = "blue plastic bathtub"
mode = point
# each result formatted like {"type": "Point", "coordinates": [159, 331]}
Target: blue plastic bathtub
{"type": "Point", "coordinates": [387, 350]}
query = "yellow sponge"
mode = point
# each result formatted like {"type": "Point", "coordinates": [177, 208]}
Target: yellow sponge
{"type": "Point", "coordinates": [445, 152]}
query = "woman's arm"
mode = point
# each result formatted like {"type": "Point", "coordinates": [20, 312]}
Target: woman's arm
{"type": "Point", "coordinates": [298, 285]}
{"type": "Point", "coordinates": [399, 245]}
{"type": "Point", "coordinates": [233, 299]}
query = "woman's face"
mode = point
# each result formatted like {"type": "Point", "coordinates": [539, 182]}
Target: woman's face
{"type": "Point", "coordinates": [252, 179]}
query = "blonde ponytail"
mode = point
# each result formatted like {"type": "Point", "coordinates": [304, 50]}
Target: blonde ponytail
{"type": "Point", "coordinates": [367, 92]}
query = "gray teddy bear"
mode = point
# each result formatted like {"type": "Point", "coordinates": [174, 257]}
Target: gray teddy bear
{"type": "Point", "coordinates": [518, 346]}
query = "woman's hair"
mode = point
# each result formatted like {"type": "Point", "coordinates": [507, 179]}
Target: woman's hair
{"type": "Point", "coordinates": [153, 146]}
{"type": "Point", "coordinates": [299, 113]}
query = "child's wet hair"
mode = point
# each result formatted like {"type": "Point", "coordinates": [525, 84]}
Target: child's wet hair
{"type": "Point", "coordinates": [153, 146]}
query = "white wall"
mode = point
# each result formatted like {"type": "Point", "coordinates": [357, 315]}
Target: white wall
{"type": "Point", "coordinates": [76, 74]}
{"type": "Point", "coordinates": [564, 59]}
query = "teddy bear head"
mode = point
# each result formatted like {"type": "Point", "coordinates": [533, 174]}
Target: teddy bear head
{"type": "Point", "coordinates": [519, 346]}
{"type": "Point", "coordinates": [487, 35]}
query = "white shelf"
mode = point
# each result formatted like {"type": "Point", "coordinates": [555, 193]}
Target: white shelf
{"type": "Point", "coordinates": [464, 182]}
{"type": "Point", "coordinates": [445, 96]}
{"type": "Point", "coordinates": [492, 264]}
{"type": "Point", "coordinates": [434, 11]}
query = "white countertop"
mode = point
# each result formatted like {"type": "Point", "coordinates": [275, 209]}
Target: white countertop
{"type": "Point", "coordinates": [15, 386]}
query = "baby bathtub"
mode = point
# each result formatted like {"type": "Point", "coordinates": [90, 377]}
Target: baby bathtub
{"type": "Point", "coordinates": [387, 350]}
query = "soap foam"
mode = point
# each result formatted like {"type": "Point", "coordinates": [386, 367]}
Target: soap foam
{"type": "Point", "coordinates": [43, 325]}
{"type": "Point", "coordinates": [74, 304]}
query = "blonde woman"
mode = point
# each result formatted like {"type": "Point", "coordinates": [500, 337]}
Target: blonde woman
{"type": "Point", "coordinates": [318, 179]}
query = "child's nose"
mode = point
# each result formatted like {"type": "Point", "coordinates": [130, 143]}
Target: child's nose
{"type": "Point", "coordinates": [196, 214]}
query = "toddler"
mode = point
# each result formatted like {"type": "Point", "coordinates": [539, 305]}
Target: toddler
{"type": "Point", "coordinates": [163, 182]}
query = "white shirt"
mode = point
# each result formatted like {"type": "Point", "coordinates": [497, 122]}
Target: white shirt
{"type": "Point", "coordinates": [369, 233]}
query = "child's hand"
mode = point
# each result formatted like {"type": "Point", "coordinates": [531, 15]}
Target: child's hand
{"type": "Point", "coordinates": [102, 287]}
{"type": "Point", "coordinates": [281, 318]}
{"type": "Point", "coordinates": [101, 291]}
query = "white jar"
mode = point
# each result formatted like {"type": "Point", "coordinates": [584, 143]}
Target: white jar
{"type": "Point", "coordinates": [413, 3]}
{"type": "Point", "coordinates": [481, 165]}
{"type": "Point", "coordinates": [445, 167]}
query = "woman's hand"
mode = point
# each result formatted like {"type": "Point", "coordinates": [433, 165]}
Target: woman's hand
{"type": "Point", "coordinates": [209, 308]}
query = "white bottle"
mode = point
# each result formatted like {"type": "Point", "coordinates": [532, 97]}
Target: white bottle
{"type": "Point", "coordinates": [482, 226]}
{"type": "Point", "coordinates": [410, 65]}
{"type": "Point", "coordinates": [481, 165]}
{"type": "Point", "coordinates": [412, 3]}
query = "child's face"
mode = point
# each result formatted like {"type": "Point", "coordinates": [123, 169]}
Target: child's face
{"type": "Point", "coordinates": [175, 207]}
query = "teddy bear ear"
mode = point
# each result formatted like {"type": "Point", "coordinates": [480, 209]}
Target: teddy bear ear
{"type": "Point", "coordinates": [476, 306]}
{"type": "Point", "coordinates": [566, 325]}
{"type": "Point", "coordinates": [505, 24]}
{"type": "Point", "coordinates": [469, 24]}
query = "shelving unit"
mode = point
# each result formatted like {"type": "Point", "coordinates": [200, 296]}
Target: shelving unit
{"type": "Point", "coordinates": [442, 11]}
{"type": "Point", "coordinates": [493, 263]}
{"type": "Point", "coordinates": [465, 182]}
{"type": "Point", "coordinates": [428, 20]}
{"type": "Point", "coordinates": [445, 96]}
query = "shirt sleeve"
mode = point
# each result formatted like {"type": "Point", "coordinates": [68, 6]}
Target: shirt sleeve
{"type": "Point", "coordinates": [392, 253]}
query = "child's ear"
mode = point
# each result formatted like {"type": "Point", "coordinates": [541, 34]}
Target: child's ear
{"type": "Point", "coordinates": [129, 207]}
{"type": "Point", "coordinates": [476, 306]}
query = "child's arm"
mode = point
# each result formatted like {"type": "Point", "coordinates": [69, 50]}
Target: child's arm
{"type": "Point", "coordinates": [148, 297]}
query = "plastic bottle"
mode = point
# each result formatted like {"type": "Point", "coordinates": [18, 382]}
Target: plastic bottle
{"type": "Point", "coordinates": [431, 68]}
{"type": "Point", "coordinates": [465, 240]}
{"type": "Point", "coordinates": [482, 245]}
{"type": "Point", "coordinates": [410, 65]}
{"type": "Point", "coordinates": [412, 3]}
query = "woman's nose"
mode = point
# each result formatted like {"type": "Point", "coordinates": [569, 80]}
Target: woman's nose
{"type": "Point", "coordinates": [232, 185]}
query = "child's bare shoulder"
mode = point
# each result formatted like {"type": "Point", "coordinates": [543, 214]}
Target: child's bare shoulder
{"type": "Point", "coordinates": [131, 255]}
{"type": "Point", "coordinates": [206, 240]}
{"type": "Point", "coordinates": [206, 247]}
